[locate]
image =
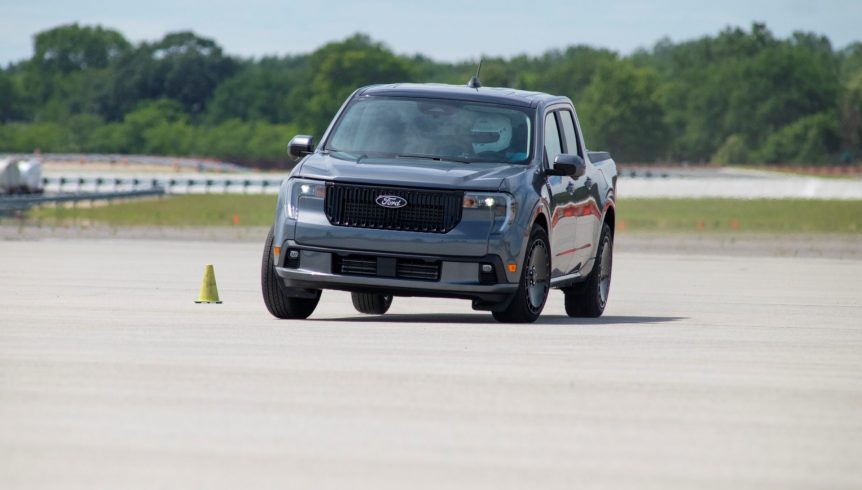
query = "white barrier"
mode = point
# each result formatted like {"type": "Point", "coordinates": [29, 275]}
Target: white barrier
{"type": "Point", "coordinates": [752, 188]}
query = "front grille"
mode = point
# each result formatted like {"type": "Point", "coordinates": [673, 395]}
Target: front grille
{"type": "Point", "coordinates": [426, 210]}
{"type": "Point", "coordinates": [356, 265]}
{"type": "Point", "coordinates": [367, 265]}
{"type": "Point", "coordinates": [418, 269]}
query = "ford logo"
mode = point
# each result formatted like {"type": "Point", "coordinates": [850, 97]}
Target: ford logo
{"type": "Point", "coordinates": [392, 202]}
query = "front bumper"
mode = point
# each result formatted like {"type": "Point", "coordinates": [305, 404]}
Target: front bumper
{"type": "Point", "coordinates": [459, 277]}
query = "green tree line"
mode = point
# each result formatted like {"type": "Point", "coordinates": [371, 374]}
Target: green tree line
{"type": "Point", "coordinates": [741, 96]}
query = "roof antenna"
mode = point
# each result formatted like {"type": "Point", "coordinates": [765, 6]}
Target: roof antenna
{"type": "Point", "coordinates": [474, 82]}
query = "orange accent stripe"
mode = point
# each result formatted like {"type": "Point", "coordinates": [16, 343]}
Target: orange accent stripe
{"type": "Point", "coordinates": [573, 250]}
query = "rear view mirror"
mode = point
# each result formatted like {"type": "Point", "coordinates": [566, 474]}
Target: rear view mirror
{"type": "Point", "coordinates": [300, 145]}
{"type": "Point", "coordinates": [568, 165]}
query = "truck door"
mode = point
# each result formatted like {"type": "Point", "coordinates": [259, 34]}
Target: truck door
{"type": "Point", "coordinates": [563, 221]}
{"type": "Point", "coordinates": [584, 195]}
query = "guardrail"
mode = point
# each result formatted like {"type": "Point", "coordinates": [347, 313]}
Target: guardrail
{"type": "Point", "coordinates": [171, 185]}
{"type": "Point", "coordinates": [199, 164]}
{"type": "Point", "coordinates": [25, 202]}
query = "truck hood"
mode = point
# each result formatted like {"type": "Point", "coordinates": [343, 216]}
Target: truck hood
{"type": "Point", "coordinates": [408, 172]}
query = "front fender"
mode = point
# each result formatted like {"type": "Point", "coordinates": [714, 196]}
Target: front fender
{"type": "Point", "coordinates": [283, 228]}
{"type": "Point", "coordinates": [519, 233]}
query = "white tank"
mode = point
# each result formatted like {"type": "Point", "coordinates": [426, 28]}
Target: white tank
{"type": "Point", "coordinates": [19, 175]}
{"type": "Point", "coordinates": [31, 174]}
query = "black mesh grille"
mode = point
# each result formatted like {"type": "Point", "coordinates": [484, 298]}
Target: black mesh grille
{"type": "Point", "coordinates": [365, 265]}
{"type": "Point", "coordinates": [418, 269]}
{"type": "Point", "coordinates": [426, 211]}
{"type": "Point", "coordinates": [356, 265]}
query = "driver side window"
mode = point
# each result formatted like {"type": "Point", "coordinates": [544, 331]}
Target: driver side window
{"type": "Point", "coordinates": [552, 140]}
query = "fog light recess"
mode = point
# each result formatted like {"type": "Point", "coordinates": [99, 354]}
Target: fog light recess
{"type": "Point", "coordinates": [292, 260]}
{"type": "Point", "coordinates": [487, 274]}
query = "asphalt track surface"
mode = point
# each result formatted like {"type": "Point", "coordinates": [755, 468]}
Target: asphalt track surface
{"type": "Point", "coordinates": [707, 371]}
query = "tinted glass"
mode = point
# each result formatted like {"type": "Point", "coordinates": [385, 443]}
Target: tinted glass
{"type": "Point", "coordinates": [572, 144]}
{"type": "Point", "coordinates": [552, 139]}
{"type": "Point", "coordinates": [433, 128]}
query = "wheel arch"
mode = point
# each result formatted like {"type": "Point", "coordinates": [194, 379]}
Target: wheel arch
{"type": "Point", "coordinates": [611, 217]}
{"type": "Point", "coordinates": [541, 220]}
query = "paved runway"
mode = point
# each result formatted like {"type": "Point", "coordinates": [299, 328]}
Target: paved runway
{"type": "Point", "coordinates": [706, 372]}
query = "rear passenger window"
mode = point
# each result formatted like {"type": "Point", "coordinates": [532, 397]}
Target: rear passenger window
{"type": "Point", "coordinates": [573, 145]}
{"type": "Point", "coordinates": [552, 139]}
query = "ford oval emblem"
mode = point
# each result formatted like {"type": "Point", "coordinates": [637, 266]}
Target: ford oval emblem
{"type": "Point", "coordinates": [392, 202]}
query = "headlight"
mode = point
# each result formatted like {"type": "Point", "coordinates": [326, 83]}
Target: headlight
{"type": "Point", "coordinates": [501, 207]}
{"type": "Point", "coordinates": [301, 188]}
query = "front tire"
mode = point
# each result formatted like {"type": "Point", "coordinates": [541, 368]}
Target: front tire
{"type": "Point", "coordinates": [588, 300]}
{"type": "Point", "coordinates": [532, 293]}
{"type": "Point", "coordinates": [275, 293]}
{"type": "Point", "coordinates": [371, 303]}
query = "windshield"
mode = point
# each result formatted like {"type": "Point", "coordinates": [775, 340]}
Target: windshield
{"type": "Point", "coordinates": [452, 130]}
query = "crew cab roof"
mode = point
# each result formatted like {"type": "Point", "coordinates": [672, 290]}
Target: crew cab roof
{"type": "Point", "coordinates": [497, 95]}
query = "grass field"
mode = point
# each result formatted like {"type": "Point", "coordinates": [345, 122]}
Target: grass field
{"type": "Point", "coordinates": [188, 210]}
{"type": "Point", "coordinates": [740, 215]}
{"type": "Point", "coordinates": [672, 215]}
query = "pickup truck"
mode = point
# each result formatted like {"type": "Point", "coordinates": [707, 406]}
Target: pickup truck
{"type": "Point", "coordinates": [471, 192]}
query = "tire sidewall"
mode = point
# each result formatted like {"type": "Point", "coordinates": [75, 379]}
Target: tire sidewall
{"type": "Point", "coordinates": [538, 237]}
{"type": "Point", "coordinates": [604, 241]}
{"type": "Point", "coordinates": [274, 291]}
{"type": "Point", "coordinates": [584, 300]}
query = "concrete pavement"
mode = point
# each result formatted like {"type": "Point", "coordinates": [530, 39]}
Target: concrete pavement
{"type": "Point", "coordinates": [707, 371]}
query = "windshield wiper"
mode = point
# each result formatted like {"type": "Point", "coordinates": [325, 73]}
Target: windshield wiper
{"type": "Point", "coordinates": [432, 157]}
{"type": "Point", "coordinates": [352, 155]}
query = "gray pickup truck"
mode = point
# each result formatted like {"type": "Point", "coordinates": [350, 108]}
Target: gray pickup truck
{"type": "Point", "coordinates": [479, 193]}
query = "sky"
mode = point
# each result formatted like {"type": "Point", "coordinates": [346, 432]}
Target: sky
{"type": "Point", "coordinates": [445, 30]}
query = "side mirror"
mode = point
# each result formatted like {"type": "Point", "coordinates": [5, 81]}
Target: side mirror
{"type": "Point", "coordinates": [568, 165]}
{"type": "Point", "coordinates": [301, 144]}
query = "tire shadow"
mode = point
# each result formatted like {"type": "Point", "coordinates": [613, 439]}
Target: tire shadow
{"type": "Point", "coordinates": [612, 319]}
{"type": "Point", "coordinates": [479, 318]}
